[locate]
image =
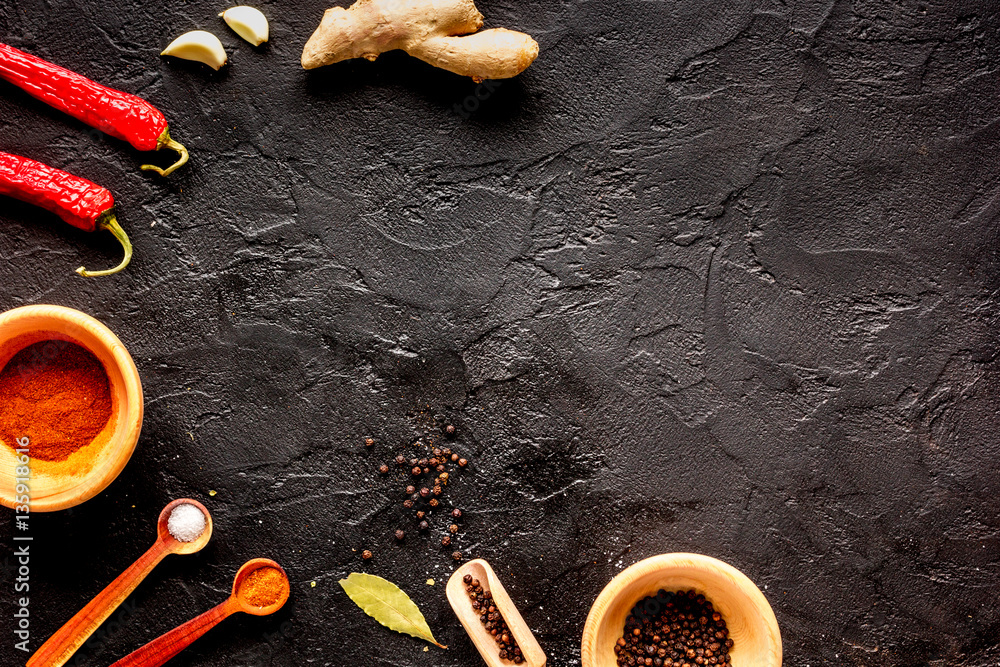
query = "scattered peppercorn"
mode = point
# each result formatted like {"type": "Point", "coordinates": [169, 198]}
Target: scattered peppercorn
{"type": "Point", "coordinates": [493, 621]}
{"type": "Point", "coordinates": [366, 554]}
{"type": "Point", "coordinates": [453, 529]}
{"type": "Point", "coordinates": [456, 513]}
{"type": "Point", "coordinates": [449, 430]}
{"type": "Point", "coordinates": [674, 630]}
{"type": "Point", "coordinates": [456, 555]}
{"type": "Point", "coordinates": [429, 459]}
{"type": "Point", "coordinates": [369, 442]}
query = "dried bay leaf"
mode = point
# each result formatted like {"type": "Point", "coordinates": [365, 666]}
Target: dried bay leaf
{"type": "Point", "coordinates": [388, 604]}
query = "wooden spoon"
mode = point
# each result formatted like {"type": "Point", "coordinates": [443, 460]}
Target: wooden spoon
{"type": "Point", "coordinates": [487, 645]}
{"type": "Point", "coordinates": [64, 643]}
{"type": "Point", "coordinates": [164, 647]}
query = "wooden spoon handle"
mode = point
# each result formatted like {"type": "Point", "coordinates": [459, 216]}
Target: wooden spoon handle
{"type": "Point", "coordinates": [164, 647]}
{"type": "Point", "coordinates": [61, 646]}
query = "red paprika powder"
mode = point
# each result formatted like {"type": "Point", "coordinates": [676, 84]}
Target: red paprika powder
{"type": "Point", "coordinates": [58, 395]}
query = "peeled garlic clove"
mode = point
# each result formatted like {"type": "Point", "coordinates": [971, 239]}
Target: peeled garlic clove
{"type": "Point", "coordinates": [200, 46]}
{"type": "Point", "coordinates": [248, 23]}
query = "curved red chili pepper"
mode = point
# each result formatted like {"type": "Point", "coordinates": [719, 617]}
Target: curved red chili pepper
{"type": "Point", "coordinates": [119, 114]}
{"type": "Point", "coordinates": [76, 200]}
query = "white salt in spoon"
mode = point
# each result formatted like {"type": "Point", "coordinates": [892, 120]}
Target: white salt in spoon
{"type": "Point", "coordinates": [177, 533]}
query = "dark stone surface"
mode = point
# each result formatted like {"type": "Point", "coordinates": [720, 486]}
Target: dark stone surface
{"type": "Point", "coordinates": [717, 277]}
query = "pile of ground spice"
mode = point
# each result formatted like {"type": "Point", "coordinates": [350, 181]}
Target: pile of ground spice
{"type": "Point", "coordinates": [56, 394]}
{"type": "Point", "coordinates": [263, 587]}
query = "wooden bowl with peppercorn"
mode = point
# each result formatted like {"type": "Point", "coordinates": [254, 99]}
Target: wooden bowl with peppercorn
{"type": "Point", "coordinates": [681, 609]}
{"type": "Point", "coordinates": [70, 408]}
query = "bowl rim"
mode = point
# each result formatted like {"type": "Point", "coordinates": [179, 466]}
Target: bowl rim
{"type": "Point", "coordinates": [123, 444]}
{"type": "Point", "coordinates": [669, 561]}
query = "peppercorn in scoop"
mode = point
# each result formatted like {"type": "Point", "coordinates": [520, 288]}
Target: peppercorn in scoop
{"type": "Point", "coordinates": [492, 620]}
{"type": "Point", "coordinates": [670, 629]}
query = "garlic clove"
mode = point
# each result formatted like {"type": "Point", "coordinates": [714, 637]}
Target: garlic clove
{"type": "Point", "coordinates": [200, 46]}
{"type": "Point", "coordinates": [248, 22]}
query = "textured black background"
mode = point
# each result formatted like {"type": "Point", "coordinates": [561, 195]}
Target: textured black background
{"type": "Point", "coordinates": [709, 276]}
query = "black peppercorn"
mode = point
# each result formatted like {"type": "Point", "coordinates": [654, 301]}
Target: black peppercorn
{"type": "Point", "coordinates": [456, 513]}
{"type": "Point", "coordinates": [400, 534]}
{"type": "Point", "coordinates": [366, 554]}
{"type": "Point", "coordinates": [449, 430]}
{"type": "Point", "coordinates": [408, 504]}
{"type": "Point", "coordinates": [369, 442]}
{"type": "Point", "coordinates": [453, 529]}
{"type": "Point", "coordinates": [440, 468]}
{"type": "Point", "coordinates": [400, 460]}
{"type": "Point", "coordinates": [421, 514]}
{"type": "Point", "coordinates": [410, 490]}
{"type": "Point", "coordinates": [454, 457]}
{"type": "Point", "coordinates": [433, 502]}
{"type": "Point", "coordinates": [416, 471]}
{"type": "Point", "coordinates": [424, 525]}
{"type": "Point", "coordinates": [422, 463]}
{"type": "Point", "coordinates": [446, 541]}
{"type": "Point", "coordinates": [383, 468]}
{"type": "Point", "coordinates": [424, 492]}
{"type": "Point", "coordinates": [437, 490]}
{"type": "Point", "coordinates": [463, 462]}
{"type": "Point", "coordinates": [456, 555]}
{"type": "Point", "coordinates": [467, 579]}
{"type": "Point", "coordinates": [682, 634]}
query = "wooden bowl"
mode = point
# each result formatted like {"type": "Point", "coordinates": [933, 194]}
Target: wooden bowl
{"type": "Point", "coordinates": [56, 485]}
{"type": "Point", "coordinates": [751, 623]}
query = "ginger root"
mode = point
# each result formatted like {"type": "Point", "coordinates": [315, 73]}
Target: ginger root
{"type": "Point", "coordinates": [439, 32]}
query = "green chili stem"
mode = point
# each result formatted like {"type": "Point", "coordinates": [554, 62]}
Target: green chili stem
{"type": "Point", "coordinates": [167, 142]}
{"type": "Point", "coordinates": [109, 223]}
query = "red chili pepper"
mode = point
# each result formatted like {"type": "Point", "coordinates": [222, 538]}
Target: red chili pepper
{"type": "Point", "coordinates": [76, 200]}
{"type": "Point", "coordinates": [119, 114]}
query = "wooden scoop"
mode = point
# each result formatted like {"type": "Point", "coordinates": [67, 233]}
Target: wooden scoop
{"type": "Point", "coordinates": [64, 643]}
{"type": "Point", "coordinates": [487, 645]}
{"type": "Point", "coordinates": [164, 647]}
